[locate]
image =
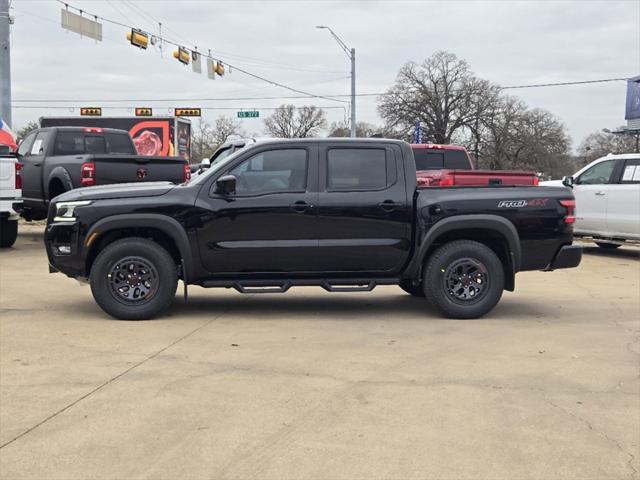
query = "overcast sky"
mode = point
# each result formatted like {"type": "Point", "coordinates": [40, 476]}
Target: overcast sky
{"type": "Point", "coordinates": [507, 42]}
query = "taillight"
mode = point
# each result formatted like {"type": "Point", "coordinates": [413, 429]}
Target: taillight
{"type": "Point", "coordinates": [88, 174]}
{"type": "Point", "coordinates": [92, 130]}
{"type": "Point", "coordinates": [536, 181]}
{"type": "Point", "coordinates": [18, 176]}
{"type": "Point", "coordinates": [570, 216]}
{"type": "Point", "coordinates": [187, 173]}
{"type": "Point", "coordinates": [447, 180]}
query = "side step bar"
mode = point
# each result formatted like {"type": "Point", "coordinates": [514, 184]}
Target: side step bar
{"type": "Point", "coordinates": [281, 286]}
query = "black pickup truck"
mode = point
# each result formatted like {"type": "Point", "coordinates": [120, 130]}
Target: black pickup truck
{"type": "Point", "coordinates": [58, 159]}
{"type": "Point", "coordinates": [344, 215]}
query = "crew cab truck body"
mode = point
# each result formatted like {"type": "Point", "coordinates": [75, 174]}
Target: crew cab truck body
{"type": "Point", "coordinates": [59, 159]}
{"type": "Point", "coordinates": [10, 198]}
{"type": "Point", "coordinates": [341, 214]}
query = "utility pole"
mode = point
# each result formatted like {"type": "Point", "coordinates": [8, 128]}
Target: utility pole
{"type": "Point", "coordinates": [351, 53]}
{"type": "Point", "coordinates": [5, 63]}
{"type": "Point", "coordinates": [353, 93]}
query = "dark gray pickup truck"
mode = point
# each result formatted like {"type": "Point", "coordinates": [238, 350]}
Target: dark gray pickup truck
{"type": "Point", "coordinates": [58, 159]}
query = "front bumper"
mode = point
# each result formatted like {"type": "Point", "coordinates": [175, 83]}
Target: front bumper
{"type": "Point", "coordinates": [569, 256]}
{"type": "Point", "coordinates": [63, 242]}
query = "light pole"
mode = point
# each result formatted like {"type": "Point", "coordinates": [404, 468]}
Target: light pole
{"type": "Point", "coordinates": [351, 53]}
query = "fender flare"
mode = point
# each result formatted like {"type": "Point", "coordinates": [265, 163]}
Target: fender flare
{"type": "Point", "coordinates": [498, 224]}
{"type": "Point", "coordinates": [59, 173]}
{"type": "Point", "coordinates": [165, 224]}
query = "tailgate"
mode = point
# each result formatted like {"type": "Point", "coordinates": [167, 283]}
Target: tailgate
{"type": "Point", "coordinates": [466, 178]}
{"type": "Point", "coordinates": [7, 177]}
{"type": "Point", "coordinates": [139, 168]}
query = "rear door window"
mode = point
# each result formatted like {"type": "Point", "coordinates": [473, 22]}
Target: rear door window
{"type": "Point", "coordinates": [69, 143]}
{"type": "Point", "coordinates": [38, 144]}
{"type": "Point", "coordinates": [25, 145]}
{"type": "Point", "coordinates": [350, 169]}
{"type": "Point", "coordinates": [631, 172]}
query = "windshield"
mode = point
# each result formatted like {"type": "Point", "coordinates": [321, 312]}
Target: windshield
{"type": "Point", "coordinates": [215, 167]}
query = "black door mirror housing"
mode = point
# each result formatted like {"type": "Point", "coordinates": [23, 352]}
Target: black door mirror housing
{"type": "Point", "coordinates": [226, 185]}
{"type": "Point", "coordinates": [567, 181]}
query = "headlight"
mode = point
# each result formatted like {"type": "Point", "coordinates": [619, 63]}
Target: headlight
{"type": "Point", "coordinates": [64, 210]}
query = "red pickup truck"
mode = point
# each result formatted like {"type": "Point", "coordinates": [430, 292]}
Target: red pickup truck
{"type": "Point", "coordinates": [451, 165]}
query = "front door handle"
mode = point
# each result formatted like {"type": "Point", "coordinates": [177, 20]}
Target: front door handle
{"type": "Point", "coordinates": [389, 205]}
{"type": "Point", "coordinates": [301, 206]}
{"type": "Point", "coordinates": [600, 194]}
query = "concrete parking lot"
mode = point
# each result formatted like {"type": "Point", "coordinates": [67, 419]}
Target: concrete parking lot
{"type": "Point", "coordinates": [316, 385]}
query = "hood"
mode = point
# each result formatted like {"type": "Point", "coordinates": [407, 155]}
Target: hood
{"type": "Point", "coordinates": [118, 190]}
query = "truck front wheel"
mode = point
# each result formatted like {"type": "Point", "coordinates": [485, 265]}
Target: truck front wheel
{"type": "Point", "coordinates": [8, 232]}
{"type": "Point", "coordinates": [134, 279]}
{"type": "Point", "coordinates": [464, 279]}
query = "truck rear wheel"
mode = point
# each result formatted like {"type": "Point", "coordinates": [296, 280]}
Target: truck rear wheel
{"type": "Point", "coordinates": [464, 279]}
{"type": "Point", "coordinates": [8, 232]}
{"type": "Point", "coordinates": [134, 279]}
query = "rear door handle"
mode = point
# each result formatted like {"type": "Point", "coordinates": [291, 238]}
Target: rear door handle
{"type": "Point", "coordinates": [600, 194]}
{"type": "Point", "coordinates": [301, 206]}
{"type": "Point", "coordinates": [389, 205]}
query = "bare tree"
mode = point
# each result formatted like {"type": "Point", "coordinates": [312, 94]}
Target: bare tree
{"type": "Point", "coordinates": [206, 138]}
{"type": "Point", "coordinates": [599, 144]}
{"type": "Point", "coordinates": [289, 121]}
{"type": "Point", "coordinates": [442, 93]}
{"type": "Point", "coordinates": [363, 129]}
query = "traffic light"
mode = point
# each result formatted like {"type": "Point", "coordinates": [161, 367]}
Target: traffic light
{"type": "Point", "coordinates": [219, 68]}
{"type": "Point", "coordinates": [182, 54]}
{"type": "Point", "coordinates": [188, 112]}
{"type": "Point", "coordinates": [138, 38]}
{"type": "Point", "coordinates": [91, 111]}
{"type": "Point", "coordinates": [144, 112]}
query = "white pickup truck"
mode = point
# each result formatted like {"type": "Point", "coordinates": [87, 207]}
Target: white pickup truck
{"type": "Point", "coordinates": [607, 195]}
{"type": "Point", "coordinates": [10, 193]}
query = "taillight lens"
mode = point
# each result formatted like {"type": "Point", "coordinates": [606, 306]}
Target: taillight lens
{"type": "Point", "coordinates": [570, 216]}
{"type": "Point", "coordinates": [18, 176]}
{"type": "Point", "coordinates": [187, 173]}
{"type": "Point", "coordinates": [536, 181]}
{"type": "Point", "coordinates": [88, 174]}
{"type": "Point", "coordinates": [447, 180]}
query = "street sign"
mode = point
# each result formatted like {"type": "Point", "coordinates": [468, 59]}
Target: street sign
{"type": "Point", "coordinates": [91, 111]}
{"type": "Point", "coordinates": [248, 114]}
{"type": "Point", "coordinates": [188, 112]}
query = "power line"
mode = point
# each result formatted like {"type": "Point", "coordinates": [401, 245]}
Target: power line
{"type": "Point", "coordinates": [224, 99]}
{"type": "Point", "coordinates": [176, 44]}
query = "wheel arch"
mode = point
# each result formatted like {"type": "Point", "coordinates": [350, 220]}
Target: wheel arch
{"type": "Point", "coordinates": [167, 231]}
{"type": "Point", "coordinates": [58, 174]}
{"type": "Point", "coordinates": [496, 232]}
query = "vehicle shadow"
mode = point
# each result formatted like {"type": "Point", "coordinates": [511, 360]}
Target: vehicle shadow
{"type": "Point", "coordinates": [622, 252]}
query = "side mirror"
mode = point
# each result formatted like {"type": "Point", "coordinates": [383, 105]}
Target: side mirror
{"type": "Point", "coordinates": [567, 181]}
{"type": "Point", "coordinates": [226, 185]}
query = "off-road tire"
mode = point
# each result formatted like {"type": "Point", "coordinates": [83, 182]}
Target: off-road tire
{"type": "Point", "coordinates": [411, 289]}
{"type": "Point", "coordinates": [439, 267]}
{"type": "Point", "coordinates": [8, 232]}
{"type": "Point", "coordinates": [151, 254]}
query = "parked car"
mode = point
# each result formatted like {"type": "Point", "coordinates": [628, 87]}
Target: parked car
{"type": "Point", "coordinates": [58, 159]}
{"type": "Point", "coordinates": [341, 214]}
{"type": "Point", "coordinates": [607, 193]}
{"type": "Point", "coordinates": [10, 193]}
{"type": "Point", "coordinates": [451, 165]}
